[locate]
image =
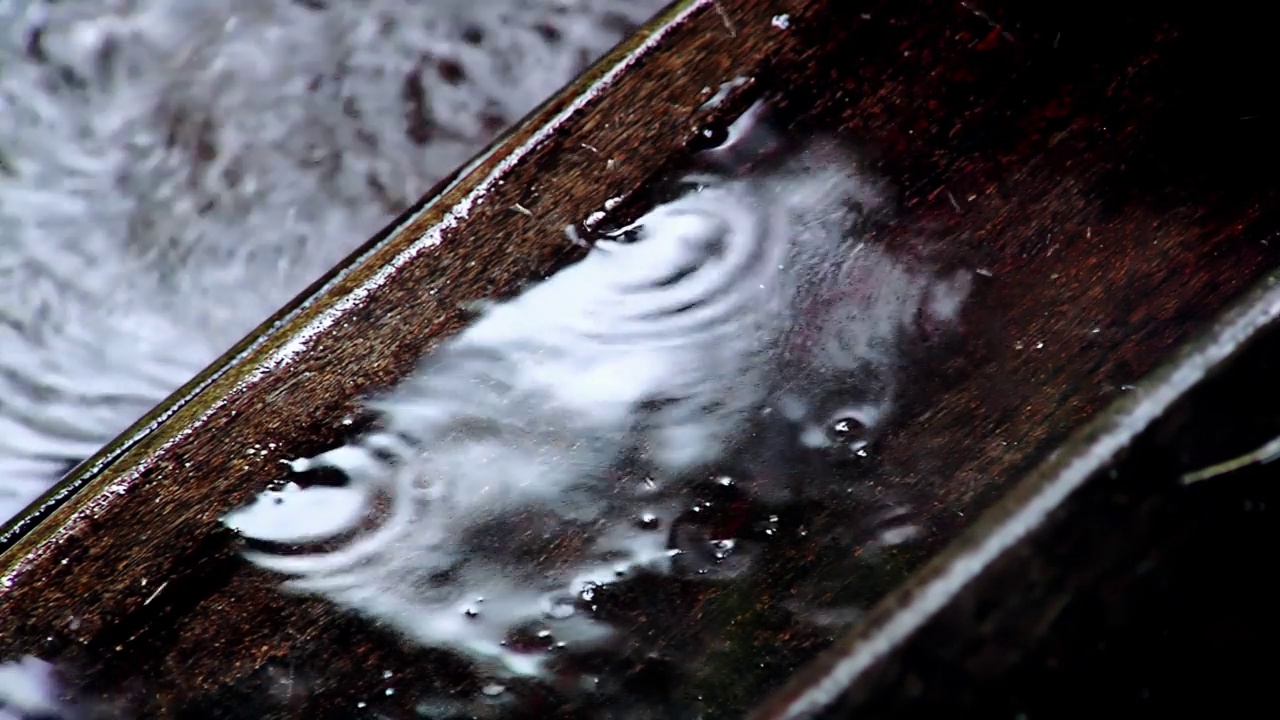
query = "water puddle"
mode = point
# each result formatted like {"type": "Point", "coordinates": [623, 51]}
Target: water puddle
{"type": "Point", "coordinates": [639, 436]}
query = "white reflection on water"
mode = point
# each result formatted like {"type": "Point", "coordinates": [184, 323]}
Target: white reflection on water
{"type": "Point", "coordinates": [173, 172]}
{"type": "Point", "coordinates": [747, 317]}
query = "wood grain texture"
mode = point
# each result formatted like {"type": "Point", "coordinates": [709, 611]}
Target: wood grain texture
{"type": "Point", "coordinates": [1113, 169]}
{"type": "Point", "coordinates": [1101, 584]}
{"type": "Point", "coordinates": [135, 565]}
{"type": "Point", "coordinates": [1091, 162]}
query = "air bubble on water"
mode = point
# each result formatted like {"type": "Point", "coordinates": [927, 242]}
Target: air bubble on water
{"type": "Point", "coordinates": [722, 548]}
{"type": "Point", "coordinates": [560, 609]}
{"type": "Point", "coordinates": [648, 521]}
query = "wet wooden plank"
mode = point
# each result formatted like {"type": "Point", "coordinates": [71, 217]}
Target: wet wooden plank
{"type": "Point", "coordinates": [1103, 583]}
{"type": "Point", "coordinates": [132, 576]}
{"type": "Point", "coordinates": [1127, 196]}
{"type": "Point", "coordinates": [1092, 162]}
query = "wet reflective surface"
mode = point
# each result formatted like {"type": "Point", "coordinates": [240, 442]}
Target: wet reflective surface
{"type": "Point", "coordinates": [1121, 590]}
{"type": "Point", "coordinates": [1052, 152]}
{"type": "Point", "coordinates": [669, 412]}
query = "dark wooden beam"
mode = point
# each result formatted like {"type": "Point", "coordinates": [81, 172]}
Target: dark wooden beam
{"type": "Point", "coordinates": [1108, 169]}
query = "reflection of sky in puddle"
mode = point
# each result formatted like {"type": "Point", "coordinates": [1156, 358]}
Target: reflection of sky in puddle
{"type": "Point", "coordinates": [651, 420]}
{"type": "Point", "coordinates": [734, 336]}
{"type": "Point", "coordinates": [504, 549]}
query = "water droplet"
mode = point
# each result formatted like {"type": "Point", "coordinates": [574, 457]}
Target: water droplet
{"type": "Point", "coordinates": [722, 548]}
{"type": "Point", "coordinates": [646, 521]}
{"type": "Point", "coordinates": [561, 609]}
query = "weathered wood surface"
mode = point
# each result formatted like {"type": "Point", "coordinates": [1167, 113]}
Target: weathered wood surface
{"type": "Point", "coordinates": [1130, 161]}
{"type": "Point", "coordinates": [1103, 168]}
{"type": "Point", "coordinates": [1102, 585]}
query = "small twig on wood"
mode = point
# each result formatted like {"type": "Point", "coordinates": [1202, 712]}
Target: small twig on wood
{"type": "Point", "coordinates": [728, 24]}
{"type": "Point", "coordinates": [1262, 455]}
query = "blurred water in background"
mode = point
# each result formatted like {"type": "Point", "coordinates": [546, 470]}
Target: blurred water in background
{"type": "Point", "coordinates": [171, 173]}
